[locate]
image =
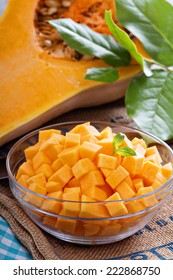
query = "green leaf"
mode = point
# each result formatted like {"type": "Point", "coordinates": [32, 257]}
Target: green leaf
{"type": "Point", "coordinates": [125, 151]}
{"type": "Point", "coordinates": [123, 38]}
{"type": "Point", "coordinates": [149, 102]}
{"type": "Point", "coordinates": [151, 22]}
{"type": "Point", "coordinates": [106, 75]}
{"type": "Point", "coordinates": [118, 140]}
{"type": "Point", "coordinates": [86, 41]}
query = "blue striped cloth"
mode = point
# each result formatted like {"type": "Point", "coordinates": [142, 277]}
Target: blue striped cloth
{"type": "Point", "coordinates": [10, 246]}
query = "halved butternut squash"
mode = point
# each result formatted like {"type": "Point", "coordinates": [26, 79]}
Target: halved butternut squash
{"type": "Point", "coordinates": [37, 86]}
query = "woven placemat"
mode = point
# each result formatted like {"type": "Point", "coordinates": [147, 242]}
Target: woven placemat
{"type": "Point", "coordinates": [154, 241]}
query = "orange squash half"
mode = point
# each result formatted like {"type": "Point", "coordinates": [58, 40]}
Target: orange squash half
{"type": "Point", "coordinates": [36, 86]}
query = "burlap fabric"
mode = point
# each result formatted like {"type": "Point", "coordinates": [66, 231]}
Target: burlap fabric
{"type": "Point", "coordinates": [154, 241]}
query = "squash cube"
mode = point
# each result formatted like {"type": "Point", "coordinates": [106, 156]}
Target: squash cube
{"type": "Point", "coordinates": [82, 167]}
{"type": "Point", "coordinates": [149, 172]}
{"type": "Point", "coordinates": [105, 161]}
{"type": "Point", "coordinates": [71, 207]}
{"type": "Point", "coordinates": [116, 208]}
{"type": "Point", "coordinates": [46, 134]}
{"type": "Point", "coordinates": [107, 146]}
{"type": "Point", "coordinates": [53, 187]}
{"type": "Point", "coordinates": [93, 178]}
{"type": "Point", "coordinates": [45, 169]}
{"type": "Point", "coordinates": [39, 179]}
{"type": "Point", "coordinates": [31, 151]}
{"type": "Point", "coordinates": [69, 156]}
{"type": "Point", "coordinates": [89, 150]}
{"type": "Point", "coordinates": [51, 148]}
{"type": "Point", "coordinates": [92, 210]}
{"type": "Point", "coordinates": [95, 192]}
{"type": "Point", "coordinates": [22, 181]}
{"type": "Point", "coordinates": [66, 225]}
{"type": "Point", "coordinates": [72, 139]}
{"type": "Point", "coordinates": [90, 229]}
{"type": "Point", "coordinates": [62, 176]}
{"type": "Point", "coordinates": [57, 164]}
{"type": "Point", "coordinates": [25, 169]}
{"type": "Point", "coordinates": [150, 200]}
{"type": "Point", "coordinates": [39, 159]}
{"type": "Point", "coordinates": [117, 176]}
{"type": "Point", "coordinates": [133, 164]}
{"type": "Point", "coordinates": [124, 190]}
{"type": "Point", "coordinates": [52, 206]}
{"type": "Point", "coordinates": [154, 151]}
{"type": "Point", "coordinates": [166, 170]}
{"type": "Point", "coordinates": [110, 230]}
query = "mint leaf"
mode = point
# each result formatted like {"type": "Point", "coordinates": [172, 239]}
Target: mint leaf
{"type": "Point", "coordinates": [106, 75]}
{"type": "Point", "coordinates": [149, 102]}
{"type": "Point", "coordinates": [118, 140]}
{"type": "Point", "coordinates": [123, 38]}
{"type": "Point", "coordinates": [151, 22]}
{"type": "Point", "coordinates": [125, 151]}
{"type": "Point", "coordinates": [86, 41]}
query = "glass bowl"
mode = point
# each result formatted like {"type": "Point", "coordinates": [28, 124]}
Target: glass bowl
{"type": "Point", "coordinates": [90, 228]}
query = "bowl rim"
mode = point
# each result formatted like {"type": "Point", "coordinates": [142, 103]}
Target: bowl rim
{"type": "Point", "coordinates": [92, 122]}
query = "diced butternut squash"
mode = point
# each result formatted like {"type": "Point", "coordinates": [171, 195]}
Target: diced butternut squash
{"type": "Point", "coordinates": [90, 229]}
{"type": "Point", "coordinates": [135, 206]}
{"type": "Point", "coordinates": [51, 148]}
{"type": "Point", "coordinates": [34, 199]}
{"type": "Point", "coordinates": [92, 210]}
{"type": "Point", "coordinates": [71, 207]}
{"type": "Point", "coordinates": [149, 172]}
{"type": "Point", "coordinates": [66, 225]}
{"type": "Point", "coordinates": [46, 134]}
{"type": "Point", "coordinates": [49, 221]}
{"type": "Point", "coordinates": [39, 159]}
{"type": "Point", "coordinates": [166, 170]}
{"type": "Point", "coordinates": [39, 179]}
{"type": "Point", "coordinates": [138, 183]}
{"type": "Point", "coordinates": [69, 156]}
{"type": "Point", "coordinates": [82, 167]}
{"type": "Point", "coordinates": [62, 176]}
{"type": "Point", "coordinates": [79, 175]}
{"type": "Point", "coordinates": [115, 207]}
{"type": "Point", "coordinates": [89, 150]}
{"type": "Point", "coordinates": [106, 133]}
{"type": "Point", "coordinates": [95, 192]}
{"type": "Point", "coordinates": [107, 146]}
{"type": "Point", "coordinates": [124, 190]}
{"type": "Point", "coordinates": [45, 169]}
{"type": "Point", "coordinates": [53, 187]}
{"type": "Point", "coordinates": [89, 138]}
{"type": "Point", "coordinates": [117, 176]}
{"type": "Point", "coordinates": [72, 139]}
{"type": "Point", "coordinates": [74, 182]}
{"type": "Point", "coordinates": [22, 180]}
{"type": "Point", "coordinates": [110, 230]}
{"type": "Point", "coordinates": [133, 164]}
{"type": "Point", "coordinates": [31, 151]}
{"type": "Point", "coordinates": [159, 181]}
{"type": "Point", "coordinates": [57, 164]}
{"type": "Point", "coordinates": [25, 169]}
{"type": "Point", "coordinates": [137, 141]}
{"type": "Point", "coordinates": [52, 206]}
{"type": "Point", "coordinates": [149, 200]}
{"type": "Point", "coordinates": [105, 161]}
{"type": "Point", "coordinates": [154, 151]}
{"type": "Point", "coordinates": [93, 178]}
